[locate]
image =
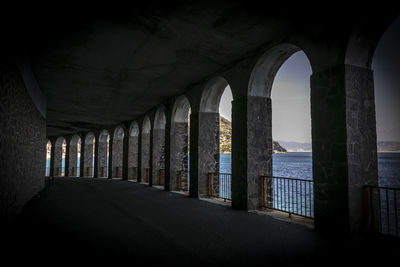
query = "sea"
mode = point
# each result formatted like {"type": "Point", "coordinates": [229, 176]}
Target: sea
{"type": "Point", "coordinates": [299, 165]}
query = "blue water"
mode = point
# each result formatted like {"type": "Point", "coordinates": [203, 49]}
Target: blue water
{"type": "Point", "coordinates": [299, 165]}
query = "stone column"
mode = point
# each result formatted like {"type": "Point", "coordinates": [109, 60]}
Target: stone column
{"type": "Point", "coordinates": [167, 151]}
{"type": "Point", "coordinates": [179, 153]}
{"type": "Point", "coordinates": [73, 159]}
{"type": "Point", "coordinates": [251, 149]}
{"type": "Point", "coordinates": [344, 146]}
{"type": "Point", "coordinates": [52, 157]}
{"type": "Point", "coordinates": [96, 155]}
{"type": "Point", "coordinates": [125, 154]}
{"type": "Point", "coordinates": [88, 156]}
{"type": "Point", "coordinates": [117, 151]}
{"type": "Point", "coordinates": [133, 155]}
{"type": "Point", "coordinates": [158, 156]}
{"type": "Point", "coordinates": [67, 148]}
{"type": "Point", "coordinates": [82, 163]}
{"type": "Point", "coordinates": [139, 162]}
{"type": "Point", "coordinates": [145, 155]}
{"type": "Point", "coordinates": [204, 150]}
{"type": "Point", "coordinates": [57, 160]}
{"type": "Point", "coordinates": [110, 156]}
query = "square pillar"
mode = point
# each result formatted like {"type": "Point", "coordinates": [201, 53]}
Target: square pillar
{"type": "Point", "coordinates": [204, 150]}
{"type": "Point", "coordinates": [344, 146]}
{"type": "Point", "coordinates": [125, 155]}
{"type": "Point", "coordinates": [251, 149]}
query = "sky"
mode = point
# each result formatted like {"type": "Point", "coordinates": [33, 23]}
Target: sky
{"type": "Point", "coordinates": [291, 114]}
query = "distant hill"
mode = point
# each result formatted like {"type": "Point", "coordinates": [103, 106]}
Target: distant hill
{"type": "Point", "coordinates": [388, 146]}
{"type": "Point", "coordinates": [382, 146]}
{"type": "Point", "coordinates": [225, 138]}
{"type": "Point", "coordinates": [296, 146]}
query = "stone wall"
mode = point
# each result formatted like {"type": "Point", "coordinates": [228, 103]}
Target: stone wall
{"type": "Point", "coordinates": [88, 160]}
{"type": "Point", "coordinates": [73, 160]}
{"type": "Point", "coordinates": [117, 158]}
{"type": "Point", "coordinates": [22, 144]}
{"type": "Point", "coordinates": [145, 156]}
{"type": "Point", "coordinates": [58, 159]}
{"type": "Point", "coordinates": [179, 154]}
{"type": "Point", "coordinates": [133, 156]}
{"type": "Point", "coordinates": [102, 171]}
{"type": "Point", "coordinates": [158, 154]}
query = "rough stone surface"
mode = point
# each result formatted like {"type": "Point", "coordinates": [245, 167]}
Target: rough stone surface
{"type": "Point", "coordinates": [145, 155]}
{"type": "Point", "coordinates": [251, 149]}
{"type": "Point", "coordinates": [133, 157]}
{"type": "Point", "coordinates": [73, 160]}
{"type": "Point", "coordinates": [329, 146]}
{"type": "Point", "coordinates": [58, 159]}
{"type": "Point", "coordinates": [179, 154]}
{"type": "Point", "coordinates": [88, 169]}
{"type": "Point", "coordinates": [117, 151]}
{"type": "Point", "coordinates": [158, 154]}
{"type": "Point", "coordinates": [103, 163]}
{"type": "Point", "coordinates": [22, 143]}
{"type": "Point", "coordinates": [361, 139]}
{"type": "Point", "coordinates": [208, 148]}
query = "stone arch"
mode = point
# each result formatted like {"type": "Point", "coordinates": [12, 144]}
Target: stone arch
{"type": "Point", "coordinates": [103, 153]}
{"type": "Point", "coordinates": [158, 159]}
{"type": "Point", "coordinates": [209, 138]}
{"type": "Point", "coordinates": [265, 69]}
{"type": "Point", "coordinates": [48, 157]}
{"type": "Point", "coordinates": [74, 155]}
{"type": "Point", "coordinates": [133, 151]}
{"type": "Point", "coordinates": [88, 157]}
{"type": "Point", "coordinates": [145, 149]}
{"type": "Point", "coordinates": [59, 156]}
{"type": "Point", "coordinates": [179, 163]}
{"type": "Point", "coordinates": [211, 95]}
{"type": "Point", "coordinates": [117, 152]}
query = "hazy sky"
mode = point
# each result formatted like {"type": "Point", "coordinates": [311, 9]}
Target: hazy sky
{"type": "Point", "coordinates": [291, 117]}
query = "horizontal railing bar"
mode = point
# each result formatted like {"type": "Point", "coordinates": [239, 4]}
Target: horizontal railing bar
{"type": "Point", "coordinates": [382, 187]}
{"type": "Point", "coordinates": [286, 178]}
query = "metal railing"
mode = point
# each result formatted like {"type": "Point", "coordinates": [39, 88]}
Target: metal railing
{"type": "Point", "coordinates": [182, 183]}
{"type": "Point", "coordinates": [220, 185]}
{"type": "Point", "coordinates": [75, 171]}
{"type": "Point", "coordinates": [291, 195]}
{"type": "Point", "coordinates": [382, 210]}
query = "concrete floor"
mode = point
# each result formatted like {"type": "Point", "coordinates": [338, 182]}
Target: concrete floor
{"type": "Point", "coordinates": [110, 221]}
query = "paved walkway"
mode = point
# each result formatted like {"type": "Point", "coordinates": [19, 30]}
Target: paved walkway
{"type": "Point", "coordinates": [99, 221]}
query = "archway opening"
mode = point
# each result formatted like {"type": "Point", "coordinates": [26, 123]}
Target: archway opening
{"type": "Point", "coordinates": [117, 152]}
{"type": "Point", "coordinates": [59, 156]}
{"type": "Point", "coordinates": [145, 152]}
{"type": "Point", "coordinates": [133, 152]}
{"type": "Point", "coordinates": [225, 143]}
{"type": "Point", "coordinates": [159, 148]}
{"type": "Point", "coordinates": [291, 137]}
{"type": "Point", "coordinates": [180, 127]}
{"type": "Point", "coordinates": [103, 153]}
{"type": "Point", "coordinates": [48, 157]}
{"type": "Point", "coordinates": [386, 65]}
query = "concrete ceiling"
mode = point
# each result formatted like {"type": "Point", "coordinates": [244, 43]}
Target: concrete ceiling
{"type": "Point", "coordinates": [102, 69]}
